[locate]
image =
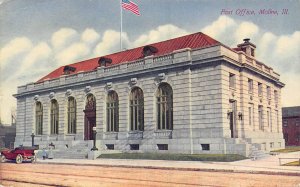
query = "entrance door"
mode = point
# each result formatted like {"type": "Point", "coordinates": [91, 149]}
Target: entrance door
{"type": "Point", "coordinates": [90, 122]}
{"type": "Point", "coordinates": [89, 117]}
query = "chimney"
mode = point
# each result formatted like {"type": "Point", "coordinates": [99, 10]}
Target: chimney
{"type": "Point", "coordinates": [247, 47]}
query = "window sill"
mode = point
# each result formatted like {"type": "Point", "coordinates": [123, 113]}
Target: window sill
{"type": "Point", "coordinates": [111, 135]}
{"type": "Point", "coordinates": [135, 135]}
{"type": "Point", "coordinates": [163, 134]}
{"type": "Point", "coordinates": [71, 134]}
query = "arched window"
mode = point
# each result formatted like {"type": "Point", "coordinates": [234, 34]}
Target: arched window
{"type": "Point", "coordinates": [38, 118]}
{"type": "Point", "coordinates": [136, 109]}
{"type": "Point", "coordinates": [112, 112]}
{"type": "Point", "coordinates": [71, 115]}
{"type": "Point", "coordinates": [54, 117]}
{"type": "Point", "coordinates": [164, 97]}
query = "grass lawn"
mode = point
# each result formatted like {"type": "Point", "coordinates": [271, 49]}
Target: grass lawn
{"type": "Point", "coordinates": [288, 149]}
{"type": "Point", "coordinates": [182, 157]}
{"type": "Point", "coordinates": [295, 163]}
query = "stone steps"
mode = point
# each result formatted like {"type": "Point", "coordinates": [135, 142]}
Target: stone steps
{"type": "Point", "coordinates": [71, 154]}
{"type": "Point", "coordinates": [256, 154]}
{"type": "Point", "coordinates": [77, 151]}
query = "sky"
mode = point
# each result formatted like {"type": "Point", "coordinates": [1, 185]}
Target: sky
{"type": "Point", "coordinates": [38, 36]}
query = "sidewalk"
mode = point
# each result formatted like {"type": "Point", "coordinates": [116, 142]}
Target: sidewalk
{"type": "Point", "coordinates": [268, 165]}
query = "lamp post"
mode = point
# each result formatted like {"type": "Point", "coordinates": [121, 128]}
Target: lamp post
{"type": "Point", "coordinates": [94, 147]}
{"type": "Point", "coordinates": [32, 139]}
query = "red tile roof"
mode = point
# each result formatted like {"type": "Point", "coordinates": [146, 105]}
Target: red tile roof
{"type": "Point", "coordinates": [193, 41]}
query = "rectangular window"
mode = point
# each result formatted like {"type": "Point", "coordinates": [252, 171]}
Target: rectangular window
{"type": "Point", "coordinates": [271, 144]}
{"type": "Point", "coordinates": [269, 118]}
{"type": "Point", "coordinates": [136, 110]}
{"type": "Point", "coordinates": [110, 146]}
{"type": "Point", "coordinates": [205, 147]}
{"type": "Point", "coordinates": [231, 80]}
{"type": "Point", "coordinates": [162, 146]}
{"type": "Point", "coordinates": [260, 117]}
{"type": "Point", "coordinates": [269, 92]}
{"type": "Point", "coordinates": [112, 112]}
{"type": "Point", "coordinates": [134, 147]}
{"type": "Point", "coordinates": [276, 96]}
{"type": "Point", "coordinates": [260, 91]}
{"type": "Point", "coordinates": [71, 116]}
{"type": "Point", "coordinates": [250, 85]}
{"type": "Point", "coordinates": [250, 113]}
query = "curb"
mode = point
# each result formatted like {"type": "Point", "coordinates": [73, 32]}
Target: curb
{"type": "Point", "coordinates": [180, 169]}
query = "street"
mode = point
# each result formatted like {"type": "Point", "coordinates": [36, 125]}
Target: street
{"type": "Point", "coordinates": [28, 174]}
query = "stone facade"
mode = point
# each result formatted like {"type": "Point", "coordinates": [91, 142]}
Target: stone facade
{"type": "Point", "coordinates": [210, 114]}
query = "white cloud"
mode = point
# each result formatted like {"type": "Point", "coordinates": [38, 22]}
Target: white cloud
{"type": "Point", "coordinates": [111, 43]}
{"type": "Point", "coordinates": [161, 33]}
{"type": "Point", "coordinates": [61, 38]}
{"type": "Point", "coordinates": [292, 87]}
{"type": "Point", "coordinates": [13, 49]}
{"type": "Point", "coordinates": [72, 53]}
{"type": "Point", "coordinates": [90, 36]}
{"type": "Point", "coordinates": [288, 45]}
{"type": "Point", "coordinates": [246, 30]}
{"type": "Point", "coordinates": [219, 27]}
{"type": "Point", "coordinates": [39, 53]}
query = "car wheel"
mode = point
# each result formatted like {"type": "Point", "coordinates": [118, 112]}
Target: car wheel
{"type": "Point", "coordinates": [2, 158]}
{"type": "Point", "coordinates": [33, 159]}
{"type": "Point", "coordinates": [19, 159]}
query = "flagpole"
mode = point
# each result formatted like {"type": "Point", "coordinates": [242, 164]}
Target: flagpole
{"type": "Point", "coordinates": [121, 24]}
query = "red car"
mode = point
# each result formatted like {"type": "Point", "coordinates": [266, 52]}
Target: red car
{"type": "Point", "coordinates": [19, 154]}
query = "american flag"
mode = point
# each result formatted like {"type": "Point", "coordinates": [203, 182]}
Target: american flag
{"type": "Point", "coordinates": [129, 5]}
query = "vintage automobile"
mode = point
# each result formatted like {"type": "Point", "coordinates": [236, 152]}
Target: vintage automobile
{"type": "Point", "coordinates": [19, 154]}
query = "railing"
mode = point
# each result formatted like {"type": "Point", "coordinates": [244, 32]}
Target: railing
{"type": "Point", "coordinates": [39, 85]}
{"type": "Point", "coordinates": [54, 82]}
{"type": "Point", "coordinates": [71, 78]}
{"type": "Point", "coordinates": [249, 60]}
{"type": "Point", "coordinates": [162, 58]}
{"type": "Point", "coordinates": [112, 69]}
{"type": "Point", "coordinates": [259, 65]}
{"type": "Point", "coordinates": [135, 64]}
{"type": "Point", "coordinates": [267, 69]}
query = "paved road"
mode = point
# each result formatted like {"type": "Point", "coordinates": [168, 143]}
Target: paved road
{"type": "Point", "coordinates": [28, 174]}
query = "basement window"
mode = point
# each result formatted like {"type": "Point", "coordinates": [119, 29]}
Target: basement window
{"type": "Point", "coordinates": [205, 147]}
{"type": "Point", "coordinates": [110, 146]}
{"type": "Point", "coordinates": [162, 146]}
{"type": "Point", "coordinates": [134, 147]}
